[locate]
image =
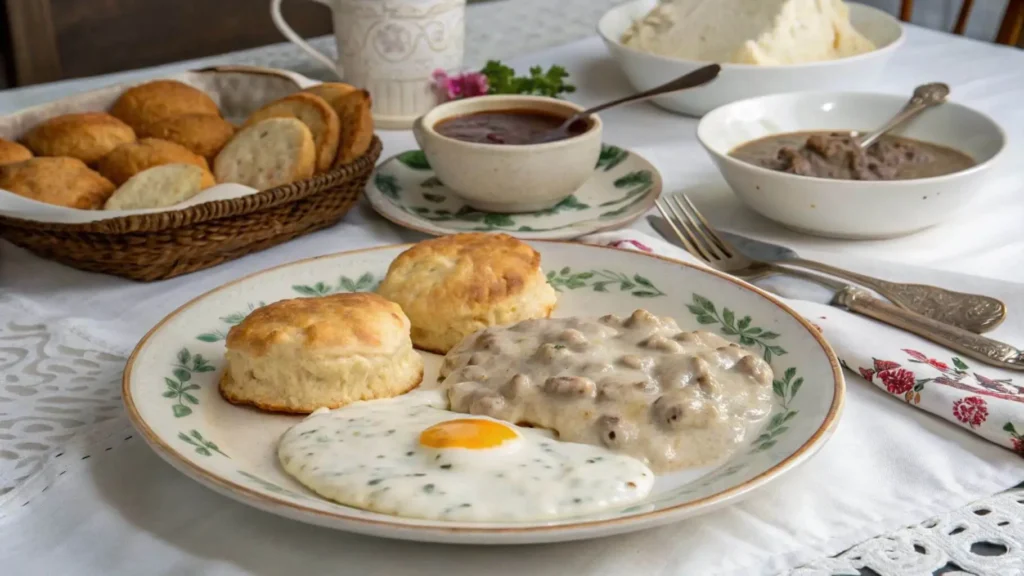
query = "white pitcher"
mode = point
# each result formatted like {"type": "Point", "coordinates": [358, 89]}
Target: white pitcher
{"type": "Point", "coordinates": [391, 48]}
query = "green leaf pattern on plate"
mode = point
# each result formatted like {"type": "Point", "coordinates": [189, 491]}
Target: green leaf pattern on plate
{"type": "Point", "coordinates": [388, 185]}
{"type": "Point", "coordinates": [180, 385]}
{"type": "Point", "coordinates": [232, 319]}
{"type": "Point", "coordinates": [611, 156]}
{"type": "Point", "coordinates": [203, 446]}
{"type": "Point", "coordinates": [365, 283]}
{"type": "Point", "coordinates": [414, 159]}
{"type": "Point", "coordinates": [601, 281]}
{"type": "Point", "coordinates": [748, 335]}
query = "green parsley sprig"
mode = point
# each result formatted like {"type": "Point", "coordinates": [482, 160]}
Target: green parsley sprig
{"type": "Point", "coordinates": [503, 80]}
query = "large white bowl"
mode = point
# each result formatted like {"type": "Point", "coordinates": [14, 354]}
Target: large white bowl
{"type": "Point", "coordinates": [741, 81]}
{"type": "Point", "coordinates": [851, 209]}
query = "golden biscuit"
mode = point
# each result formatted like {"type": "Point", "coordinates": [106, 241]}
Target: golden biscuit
{"type": "Point", "coordinates": [270, 153]}
{"type": "Point", "coordinates": [127, 160]}
{"type": "Point", "coordinates": [307, 353]}
{"type": "Point", "coordinates": [316, 114]}
{"type": "Point", "coordinates": [146, 104]}
{"type": "Point", "coordinates": [203, 134]}
{"type": "Point", "coordinates": [453, 286]}
{"type": "Point", "coordinates": [160, 186]}
{"type": "Point", "coordinates": [60, 181]}
{"type": "Point", "coordinates": [353, 107]}
{"type": "Point", "coordinates": [11, 152]}
{"type": "Point", "coordinates": [88, 136]}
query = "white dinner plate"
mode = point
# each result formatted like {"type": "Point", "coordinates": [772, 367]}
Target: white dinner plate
{"type": "Point", "coordinates": [624, 186]}
{"type": "Point", "coordinates": [170, 389]}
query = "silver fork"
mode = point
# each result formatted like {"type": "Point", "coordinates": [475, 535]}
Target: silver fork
{"type": "Point", "coordinates": [699, 238]}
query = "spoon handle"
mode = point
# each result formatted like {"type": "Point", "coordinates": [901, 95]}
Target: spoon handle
{"type": "Point", "coordinates": [924, 97]}
{"type": "Point", "coordinates": [974, 312]}
{"type": "Point", "coordinates": [991, 352]}
{"type": "Point", "coordinates": [699, 76]}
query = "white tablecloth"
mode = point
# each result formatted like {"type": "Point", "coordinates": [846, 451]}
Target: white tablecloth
{"type": "Point", "coordinates": [103, 315]}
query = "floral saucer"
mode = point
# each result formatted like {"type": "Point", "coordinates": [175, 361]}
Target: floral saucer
{"type": "Point", "coordinates": [405, 190]}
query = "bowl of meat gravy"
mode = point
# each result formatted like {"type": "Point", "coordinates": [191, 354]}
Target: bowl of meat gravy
{"type": "Point", "coordinates": [792, 158]}
{"type": "Point", "coordinates": [493, 151]}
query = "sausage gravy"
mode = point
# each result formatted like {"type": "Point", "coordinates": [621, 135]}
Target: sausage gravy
{"type": "Point", "coordinates": [637, 385]}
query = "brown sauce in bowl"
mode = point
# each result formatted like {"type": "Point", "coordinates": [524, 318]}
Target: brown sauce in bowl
{"type": "Point", "coordinates": [507, 127]}
{"type": "Point", "coordinates": [834, 155]}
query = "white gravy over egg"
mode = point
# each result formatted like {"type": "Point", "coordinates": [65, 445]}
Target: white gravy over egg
{"type": "Point", "coordinates": [639, 385]}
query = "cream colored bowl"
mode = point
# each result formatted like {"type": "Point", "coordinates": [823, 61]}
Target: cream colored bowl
{"type": "Point", "coordinates": [740, 81]}
{"type": "Point", "coordinates": [509, 178]}
{"type": "Point", "coordinates": [855, 209]}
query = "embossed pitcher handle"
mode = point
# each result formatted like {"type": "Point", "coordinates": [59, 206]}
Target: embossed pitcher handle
{"type": "Point", "coordinates": [291, 35]}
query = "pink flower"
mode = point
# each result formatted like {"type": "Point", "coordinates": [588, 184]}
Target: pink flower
{"type": "Point", "coordinates": [627, 243]}
{"type": "Point", "coordinates": [897, 381]}
{"type": "Point", "coordinates": [881, 365]}
{"type": "Point", "coordinates": [867, 373]}
{"type": "Point", "coordinates": [915, 354]}
{"type": "Point", "coordinates": [1018, 444]}
{"type": "Point", "coordinates": [971, 410]}
{"type": "Point", "coordinates": [459, 86]}
{"type": "Point", "coordinates": [940, 366]}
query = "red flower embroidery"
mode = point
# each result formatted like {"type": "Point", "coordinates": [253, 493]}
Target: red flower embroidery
{"type": "Point", "coordinates": [882, 365]}
{"type": "Point", "coordinates": [867, 373]}
{"type": "Point", "coordinates": [1018, 444]}
{"type": "Point", "coordinates": [941, 366]}
{"type": "Point", "coordinates": [971, 410]}
{"type": "Point", "coordinates": [897, 381]}
{"type": "Point", "coordinates": [915, 354]}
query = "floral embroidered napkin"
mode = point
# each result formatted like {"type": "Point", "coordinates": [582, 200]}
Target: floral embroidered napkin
{"type": "Point", "coordinates": [986, 400]}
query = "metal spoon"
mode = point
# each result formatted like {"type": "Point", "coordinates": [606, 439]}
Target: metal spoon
{"type": "Point", "coordinates": [696, 78]}
{"type": "Point", "coordinates": [925, 96]}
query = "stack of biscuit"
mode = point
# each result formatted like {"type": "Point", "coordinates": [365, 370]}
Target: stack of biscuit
{"type": "Point", "coordinates": [163, 142]}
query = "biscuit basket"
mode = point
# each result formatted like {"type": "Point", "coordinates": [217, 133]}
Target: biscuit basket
{"type": "Point", "coordinates": [161, 245]}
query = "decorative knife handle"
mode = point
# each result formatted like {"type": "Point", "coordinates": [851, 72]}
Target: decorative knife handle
{"type": "Point", "coordinates": [972, 312]}
{"type": "Point", "coordinates": [967, 343]}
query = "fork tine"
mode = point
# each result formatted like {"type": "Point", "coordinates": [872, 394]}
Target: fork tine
{"type": "Point", "coordinates": [707, 243]}
{"type": "Point", "coordinates": [680, 229]}
{"type": "Point", "coordinates": [708, 228]}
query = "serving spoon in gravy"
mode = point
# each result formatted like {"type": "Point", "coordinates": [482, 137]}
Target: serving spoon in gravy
{"type": "Point", "coordinates": [698, 77]}
{"type": "Point", "coordinates": [925, 96]}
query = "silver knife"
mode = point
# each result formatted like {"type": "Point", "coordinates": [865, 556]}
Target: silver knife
{"type": "Point", "coordinates": [860, 301]}
{"type": "Point", "coordinates": [973, 312]}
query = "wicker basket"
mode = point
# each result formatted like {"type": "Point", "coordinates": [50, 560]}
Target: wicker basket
{"type": "Point", "coordinates": [167, 244]}
{"type": "Point", "coordinates": [161, 245]}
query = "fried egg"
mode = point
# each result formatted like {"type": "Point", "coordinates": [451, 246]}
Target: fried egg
{"type": "Point", "coordinates": [409, 456]}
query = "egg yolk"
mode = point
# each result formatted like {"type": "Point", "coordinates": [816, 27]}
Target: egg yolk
{"type": "Point", "coordinates": [469, 433]}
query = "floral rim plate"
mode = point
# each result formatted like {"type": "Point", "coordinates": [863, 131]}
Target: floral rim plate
{"type": "Point", "coordinates": [170, 389]}
{"type": "Point", "coordinates": [625, 185]}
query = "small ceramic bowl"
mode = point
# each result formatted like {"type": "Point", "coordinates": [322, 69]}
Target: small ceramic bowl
{"type": "Point", "coordinates": [740, 81]}
{"type": "Point", "coordinates": [850, 209]}
{"type": "Point", "coordinates": [509, 178]}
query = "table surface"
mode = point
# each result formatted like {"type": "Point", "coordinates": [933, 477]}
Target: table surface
{"type": "Point", "coordinates": [990, 78]}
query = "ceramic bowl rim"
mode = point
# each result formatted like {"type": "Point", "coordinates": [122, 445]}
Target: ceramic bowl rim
{"type": "Point", "coordinates": [878, 52]}
{"type": "Point", "coordinates": [268, 502]}
{"type": "Point", "coordinates": [451, 109]}
{"type": "Point", "coordinates": [833, 186]}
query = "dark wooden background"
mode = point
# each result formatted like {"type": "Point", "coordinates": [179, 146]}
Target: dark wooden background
{"type": "Point", "coordinates": [47, 40]}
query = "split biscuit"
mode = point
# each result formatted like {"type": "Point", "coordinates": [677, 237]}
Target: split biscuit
{"type": "Point", "coordinates": [316, 114]}
{"type": "Point", "coordinates": [270, 153]}
{"type": "Point", "coordinates": [160, 186]}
